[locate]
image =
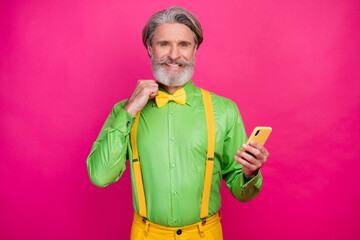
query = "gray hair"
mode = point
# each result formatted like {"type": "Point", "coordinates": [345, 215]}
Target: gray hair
{"type": "Point", "coordinates": [172, 15]}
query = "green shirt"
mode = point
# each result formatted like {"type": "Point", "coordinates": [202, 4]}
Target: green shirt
{"type": "Point", "coordinates": [172, 146]}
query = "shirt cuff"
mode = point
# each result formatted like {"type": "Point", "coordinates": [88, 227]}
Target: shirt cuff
{"type": "Point", "coordinates": [248, 184]}
{"type": "Point", "coordinates": [124, 121]}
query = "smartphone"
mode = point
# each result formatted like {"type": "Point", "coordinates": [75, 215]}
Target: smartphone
{"type": "Point", "coordinates": [260, 135]}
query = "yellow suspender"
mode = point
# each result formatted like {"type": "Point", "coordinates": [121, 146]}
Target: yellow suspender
{"type": "Point", "coordinates": [210, 122]}
{"type": "Point", "coordinates": [137, 169]}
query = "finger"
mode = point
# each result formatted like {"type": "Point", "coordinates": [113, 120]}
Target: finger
{"type": "Point", "coordinates": [265, 152]}
{"type": "Point", "coordinates": [248, 157]}
{"type": "Point", "coordinates": [153, 94]}
{"type": "Point", "coordinates": [245, 163]}
{"type": "Point", "coordinates": [256, 145]}
{"type": "Point", "coordinates": [147, 88]}
{"type": "Point", "coordinates": [147, 80]}
{"type": "Point", "coordinates": [146, 83]}
{"type": "Point", "coordinates": [152, 83]}
{"type": "Point", "coordinates": [254, 151]}
{"type": "Point", "coordinates": [153, 91]}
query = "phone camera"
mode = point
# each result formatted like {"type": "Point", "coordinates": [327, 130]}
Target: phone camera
{"type": "Point", "coordinates": [257, 132]}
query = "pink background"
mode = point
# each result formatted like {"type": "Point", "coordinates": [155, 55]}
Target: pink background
{"type": "Point", "coordinates": [292, 65]}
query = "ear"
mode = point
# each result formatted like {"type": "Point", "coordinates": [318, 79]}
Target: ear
{"type": "Point", "coordinates": [149, 48]}
{"type": "Point", "coordinates": [195, 48]}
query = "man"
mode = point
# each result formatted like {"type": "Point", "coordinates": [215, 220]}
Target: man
{"type": "Point", "coordinates": [185, 138]}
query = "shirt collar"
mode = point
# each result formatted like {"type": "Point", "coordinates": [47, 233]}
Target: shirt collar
{"type": "Point", "coordinates": [189, 88]}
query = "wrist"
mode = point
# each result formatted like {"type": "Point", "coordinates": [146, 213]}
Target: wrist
{"type": "Point", "coordinates": [249, 177]}
{"type": "Point", "coordinates": [130, 109]}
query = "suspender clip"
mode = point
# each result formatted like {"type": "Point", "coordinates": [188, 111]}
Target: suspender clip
{"type": "Point", "coordinates": [144, 219]}
{"type": "Point", "coordinates": [203, 220]}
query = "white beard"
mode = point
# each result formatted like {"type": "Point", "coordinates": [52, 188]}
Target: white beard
{"type": "Point", "coordinates": [169, 77]}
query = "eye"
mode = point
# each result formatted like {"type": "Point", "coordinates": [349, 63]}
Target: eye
{"type": "Point", "coordinates": [163, 43]}
{"type": "Point", "coordinates": [184, 44]}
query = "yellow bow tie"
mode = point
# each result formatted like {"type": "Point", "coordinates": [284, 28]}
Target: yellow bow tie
{"type": "Point", "coordinates": [163, 98]}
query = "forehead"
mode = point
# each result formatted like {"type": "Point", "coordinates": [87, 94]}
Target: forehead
{"type": "Point", "coordinates": [173, 32]}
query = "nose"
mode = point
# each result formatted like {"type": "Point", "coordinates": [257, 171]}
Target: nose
{"type": "Point", "coordinates": [174, 52]}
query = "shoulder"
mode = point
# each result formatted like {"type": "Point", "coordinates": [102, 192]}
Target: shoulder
{"type": "Point", "coordinates": [225, 110]}
{"type": "Point", "coordinates": [225, 104]}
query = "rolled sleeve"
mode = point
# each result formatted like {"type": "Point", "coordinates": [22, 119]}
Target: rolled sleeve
{"type": "Point", "coordinates": [255, 182]}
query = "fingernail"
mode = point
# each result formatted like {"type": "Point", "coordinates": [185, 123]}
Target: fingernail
{"type": "Point", "coordinates": [244, 145]}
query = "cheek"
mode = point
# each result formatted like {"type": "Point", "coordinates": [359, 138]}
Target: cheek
{"type": "Point", "coordinates": [160, 56]}
{"type": "Point", "coordinates": [160, 53]}
{"type": "Point", "coordinates": [189, 55]}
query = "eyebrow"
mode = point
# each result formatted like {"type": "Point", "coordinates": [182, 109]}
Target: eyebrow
{"type": "Point", "coordinates": [166, 41]}
{"type": "Point", "coordinates": [161, 41]}
{"type": "Point", "coordinates": [185, 42]}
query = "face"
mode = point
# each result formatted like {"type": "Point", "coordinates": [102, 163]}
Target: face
{"type": "Point", "coordinates": [172, 54]}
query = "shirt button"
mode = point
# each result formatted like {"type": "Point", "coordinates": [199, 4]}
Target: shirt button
{"type": "Point", "coordinates": [176, 221]}
{"type": "Point", "coordinates": [178, 232]}
{"type": "Point", "coordinates": [173, 165]}
{"type": "Point", "coordinates": [172, 113]}
{"type": "Point", "coordinates": [175, 193]}
{"type": "Point", "coordinates": [172, 138]}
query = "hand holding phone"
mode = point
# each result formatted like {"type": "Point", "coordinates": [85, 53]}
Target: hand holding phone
{"type": "Point", "coordinates": [251, 163]}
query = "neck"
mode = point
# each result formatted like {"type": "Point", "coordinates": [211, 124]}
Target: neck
{"type": "Point", "coordinates": [171, 89]}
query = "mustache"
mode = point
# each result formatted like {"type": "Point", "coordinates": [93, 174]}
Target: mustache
{"type": "Point", "coordinates": [182, 62]}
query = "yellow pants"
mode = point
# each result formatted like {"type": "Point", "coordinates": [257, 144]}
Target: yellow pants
{"type": "Point", "coordinates": [151, 231]}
